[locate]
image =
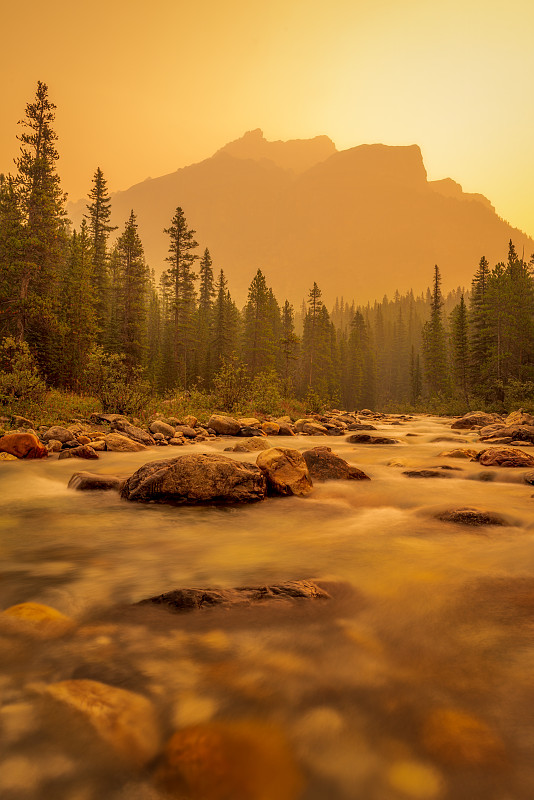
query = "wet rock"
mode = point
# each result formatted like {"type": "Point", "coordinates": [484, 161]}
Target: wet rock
{"type": "Point", "coordinates": [183, 600]}
{"type": "Point", "coordinates": [270, 428]}
{"type": "Point", "coordinates": [528, 477]}
{"type": "Point", "coordinates": [7, 457]}
{"type": "Point", "coordinates": [133, 432]}
{"type": "Point", "coordinates": [91, 482]}
{"type": "Point", "coordinates": [519, 417]}
{"type": "Point", "coordinates": [54, 446]}
{"type": "Point", "coordinates": [361, 426]}
{"type": "Point", "coordinates": [459, 453]}
{"type": "Point", "coordinates": [285, 470]}
{"type": "Point", "coordinates": [323, 465]}
{"type": "Point", "coordinates": [457, 439]}
{"type": "Point", "coordinates": [314, 429]}
{"type": "Point", "coordinates": [249, 422]}
{"type": "Point", "coordinates": [79, 452]}
{"type": "Point", "coordinates": [57, 433]}
{"type": "Point", "coordinates": [35, 620]}
{"type": "Point", "coordinates": [186, 431]}
{"type": "Point", "coordinates": [84, 439]}
{"type": "Point", "coordinates": [474, 419]}
{"type": "Point", "coordinates": [426, 473]}
{"type": "Point", "coordinates": [176, 441]}
{"type": "Point", "coordinates": [118, 443]}
{"type": "Point", "coordinates": [190, 420]}
{"type": "Point", "coordinates": [365, 438]}
{"type": "Point", "coordinates": [505, 457]}
{"type": "Point", "coordinates": [299, 424]}
{"type": "Point", "coordinates": [157, 426]}
{"type": "Point", "coordinates": [224, 426]}
{"type": "Point", "coordinates": [245, 760]}
{"type": "Point", "coordinates": [125, 720]}
{"type": "Point", "coordinates": [460, 739]}
{"type": "Point", "coordinates": [22, 445]}
{"type": "Point", "coordinates": [415, 779]}
{"type": "Point", "coordinates": [99, 445]}
{"type": "Point", "coordinates": [285, 429]}
{"type": "Point", "coordinates": [472, 516]}
{"type": "Point", "coordinates": [249, 432]}
{"type": "Point", "coordinates": [250, 445]}
{"type": "Point", "coordinates": [193, 479]}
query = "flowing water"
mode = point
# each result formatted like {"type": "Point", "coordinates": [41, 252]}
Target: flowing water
{"type": "Point", "coordinates": [427, 618]}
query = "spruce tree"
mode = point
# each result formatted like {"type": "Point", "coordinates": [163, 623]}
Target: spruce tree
{"type": "Point", "coordinates": [11, 256]}
{"type": "Point", "coordinates": [258, 334]}
{"type": "Point", "coordinates": [288, 348]}
{"type": "Point", "coordinates": [435, 348]}
{"type": "Point", "coordinates": [460, 350]}
{"type": "Point", "coordinates": [98, 216]}
{"type": "Point", "coordinates": [206, 294]}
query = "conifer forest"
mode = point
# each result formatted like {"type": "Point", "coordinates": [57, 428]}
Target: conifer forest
{"type": "Point", "coordinates": [80, 309]}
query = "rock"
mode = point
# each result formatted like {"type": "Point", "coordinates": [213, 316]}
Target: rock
{"type": "Point", "coordinates": [193, 479]}
{"type": "Point", "coordinates": [471, 516]}
{"type": "Point", "coordinates": [243, 760]}
{"type": "Point", "coordinates": [426, 473]}
{"type": "Point", "coordinates": [270, 428]}
{"type": "Point", "coordinates": [58, 433]}
{"type": "Point", "coordinates": [176, 442]}
{"type": "Point", "coordinates": [90, 482]}
{"type": "Point", "coordinates": [158, 437]}
{"type": "Point", "coordinates": [118, 443]}
{"type": "Point", "coordinates": [285, 470]}
{"type": "Point", "coordinates": [249, 422]}
{"type": "Point", "coordinates": [70, 445]}
{"type": "Point", "coordinates": [224, 426]}
{"type": "Point", "coordinates": [457, 439]}
{"type": "Point", "coordinates": [314, 429]}
{"type": "Point", "coordinates": [35, 620]}
{"type": "Point", "coordinates": [505, 457]}
{"type": "Point", "coordinates": [361, 426]}
{"type": "Point", "coordinates": [22, 445]}
{"type": "Point", "coordinates": [109, 418]}
{"type": "Point", "coordinates": [182, 600]}
{"type": "Point", "coordinates": [125, 720]}
{"type": "Point", "coordinates": [516, 418]}
{"type": "Point", "coordinates": [459, 453]}
{"type": "Point", "coordinates": [187, 431]}
{"type": "Point", "coordinates": [248, 431]}
{"type": "Point", "coordinates": [133, 432]}
{"type": "Point", "coordinates": [299, 424]}
{"type": "Point", "coordinates": [366, 412]}
{"type": "Point", "coordinates": [250, 445]}
{"type": "Point", "coordinates": [157, 426]}
{"type": "Point", "coordinates": [79, 452]}
{"type": "Point", "coordinates": [99, 445]}
{"type": "Point", "coordinates": [323, 465]}
{"type": "Point", "coordinates": [84, 439]}
{"type": "Point", "coordinates": [54, 446]}
{"type": "Point", "coordinates": [21, 422]}
{"type": "Point", "coordinates": [460, 739]}
{"type": "Point", "coordinates": [285, 429]}
{"type": "Point", "coordinates": [474, 419]}
{"type": "Point", "coordinates": [365, 438]}
{"type": "Point", "coordinates": [7, 457]}
{"type": "Point", "coordinates": [528, 477]}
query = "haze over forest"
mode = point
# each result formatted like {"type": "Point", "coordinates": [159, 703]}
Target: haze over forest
{"type": "Point", "coordinates": [368, 217]}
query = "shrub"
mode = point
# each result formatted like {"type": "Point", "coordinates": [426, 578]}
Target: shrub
{"type": "Point", "coordinates": [119, 389]}
{"type": "Point", "coordinates": [231, 386]}
{"type": "Point", "coordinates": [20, 381]}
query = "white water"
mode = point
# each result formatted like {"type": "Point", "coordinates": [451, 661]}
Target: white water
{"type": "Point", "coordinates": [425, 615]}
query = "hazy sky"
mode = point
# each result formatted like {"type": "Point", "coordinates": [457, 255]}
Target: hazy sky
{"type": "Point", "coordinates": [143, 88]}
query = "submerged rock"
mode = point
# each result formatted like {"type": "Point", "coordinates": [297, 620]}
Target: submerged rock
{"type": "Point", "coordinates": [505, 457]}
{"type": "Point", "coordinates": [472, 516]}
{"type": "Point", "coordinates": [426, 473]}
{"type": "Point", "coordinates": [22, 445]}
{"type": "Point", "coordinates": [286, 471]}
{"type": "Point", "coordinates": [182, 600]}
{"type": "Point", "coordinates": [91, 482]}
{"type": "Point", "coordinates": [324, 465]}
{"type": "Point", "coordinates": [35, 620]}
{"type": "Point", "coordinates": [365, 438]}
{"type": "Point", "coordinates": [459, 453]}
{"type": "Point", "coordinates": [196, 479]}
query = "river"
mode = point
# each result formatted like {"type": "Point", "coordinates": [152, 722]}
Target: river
{"type": "Point", "coordinates": [427, 618]}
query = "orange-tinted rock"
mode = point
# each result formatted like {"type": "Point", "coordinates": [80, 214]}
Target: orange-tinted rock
{"type": "Point", "coordinates": [505, 457]}
{"type": "Point", "coordinates": [35, 619]}
{"type": "Point", "coordinates": [286, 471]}
{"type": "Point", "coordinates": [22, 445]}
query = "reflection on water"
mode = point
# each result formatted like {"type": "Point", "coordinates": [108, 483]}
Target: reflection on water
{"type": "Point", "coordinates": [415, 680]}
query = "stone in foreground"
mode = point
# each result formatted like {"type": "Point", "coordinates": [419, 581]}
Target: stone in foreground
{"type": "Point", "coordinates": [324, 465]}
{"type": "Point", "coordinates": [91, 482]}
{"type": "Point", "coordinates": [285, 470]}
{"type": "Point", "coordinates": [196, 479]}
{"type": "Point", "coordinates": [505, 457]}
{"type": "Point", "coordinates": [182, 600]}
{"type": "Point", "coordinates": [474, 419]}
{"type": "Point", "coordinates": [22, 445]}
{"type": "Point", "coordinates": [224, 426]}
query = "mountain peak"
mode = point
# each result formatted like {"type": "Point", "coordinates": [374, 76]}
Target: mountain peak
{"type": "Point", "coordinates": [296, 155]}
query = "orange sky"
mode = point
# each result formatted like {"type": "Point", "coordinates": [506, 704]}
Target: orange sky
{"type": "Point", "coordinates": [145, 87]}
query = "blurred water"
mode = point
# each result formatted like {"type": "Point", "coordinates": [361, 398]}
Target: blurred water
{"type": "Point", "coordinates": [425, 615]}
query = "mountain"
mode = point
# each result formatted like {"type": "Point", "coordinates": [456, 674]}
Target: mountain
{"type": "Point", "coordinates": [361, 222]}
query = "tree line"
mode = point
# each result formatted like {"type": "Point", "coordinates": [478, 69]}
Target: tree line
{"type": "Point", "coordinates": [77, 299]}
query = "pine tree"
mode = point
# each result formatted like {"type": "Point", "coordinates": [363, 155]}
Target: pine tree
{"type": "Point", "coordinates": [258, 335]}
{"type": "Point", "coordinates": [98, 216]}
{"type": "Point", "coordinates": [225, 326]}
{"type": "Point", "coordinates": [179, 280]}
{"type": "Point", "coordinates": [311, 330]}
{"type": "Point", "coordinates": [416, 379]}
{"type": "Point", "coordinates": [11, 256]}
{"type": "Point", "coordinates": [460, 349]}
{"type": "Point", "coordinates": [206, 296]}
{"type": "Point", "coordinates": [288, 348]}
{"type": "Point", "coordinates": [435, 349]}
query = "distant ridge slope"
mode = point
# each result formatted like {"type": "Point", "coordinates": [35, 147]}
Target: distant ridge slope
{"type": "Point", "coordinates": [361, 222]}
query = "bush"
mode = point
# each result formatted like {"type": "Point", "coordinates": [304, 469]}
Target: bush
{"type": "Point", "coordinates": [264, 394]}
{"type": "Point", "coordinates": [20, 381]}
{"type": "Point", "coordinates": [119, 389]}
{"type": "Point", "coordinates": [231, 387]}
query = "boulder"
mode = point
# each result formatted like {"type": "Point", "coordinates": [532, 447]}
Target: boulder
{"type": "Point", "coordinates": [528, 477]}
{"type": "Point", "coordinates": [133, 432]}
{"type": "Point", "coordinates": [426, 473]}
{"type": "Point", "coordinates": [246, 430]}
{"type": "Point", "coordinates": [505, 435]}
{"type": "Point", "coordinates": [365, 438]}
{"type": "Point", "coordinates": [459, 453]}
{"type": "Point", "coordinates": [471, 516]}
{"type": "Point", "coordinates": [99, 445]}
{"type": "Point", "coordinates": [361, 426]}
{"type": "Point", "coordinates": [285, 470]}
{"type": "Point", "coordinates": [187, 431]}
{"type": "Point", "coordinates": [91, 482]}
{"type": "Point", "coordinates": [196, 479]}
{"type": "Point", "coordinates": [314, 429]}
{"type": "Point", "coordinates": [285, 429]}
{"type": "Point", "coordinates": [190, 420]}
{"type": "Point", "coordinates": [249, 422]}
{"type": "Point", "coordinates": [157, 426]}
{"type": "Point", "coordinates": [82, 439]}
{"type": "Point", "coordinates": [183, 600]}
{"type": "Point", "coordinates": [79, 452]}
{"type": "Point", "coordinates": [118, 443]}
{"type": "Point", "coordinates": [57, 433]}
{"type": "Point", "coordinates": [125, 720]}
{"type": "Point", "coordinates": [299, 424]}
{"type": "Point", "coordinates": [324, 465]}
{"type": "Point", "coordinates": [35, 620]}
{"type": "Point", "coordinates": [250, 445]}
{"type": "Point", "coordinates": [176, 441]}
{"type": "Point", "coordinates": [505, 457]}
{"type": "Point", "coordinates": [270, 428]}
{"type": "Point", "coordinates": [224, 426]}
{"type": "Point", "coordinates": [22, 445]}
{"type": "Point", "coordinates": [54, 446]}
{"type": "Point", "coordinates": [519, 417]}
{"type": "Point", "coordinates": [474, 419]}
